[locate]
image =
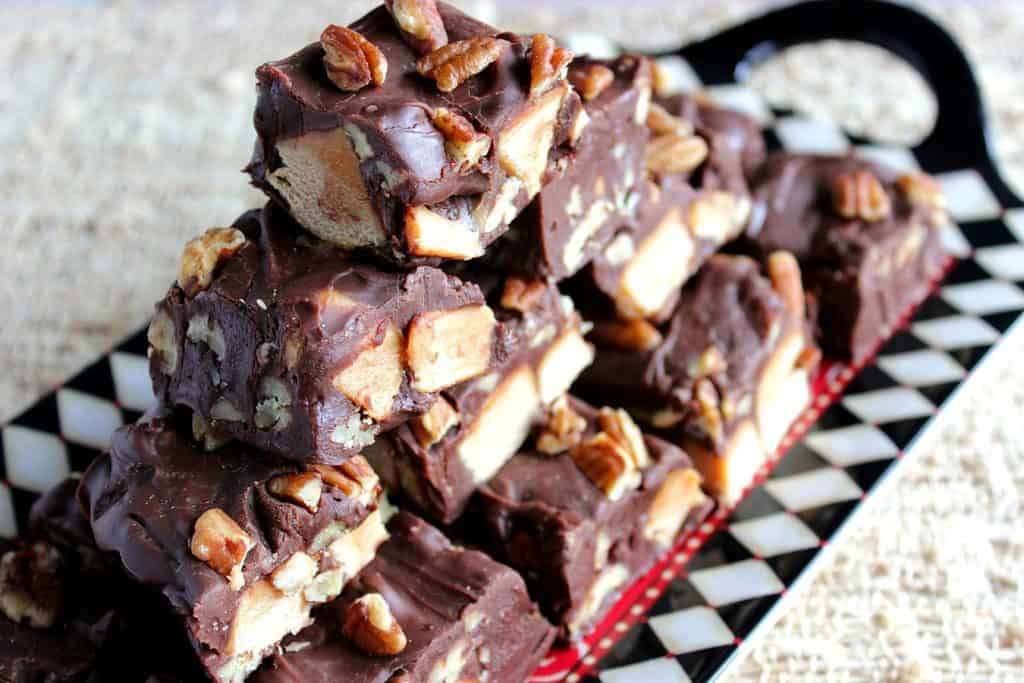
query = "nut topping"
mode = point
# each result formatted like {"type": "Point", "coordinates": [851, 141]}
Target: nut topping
{"type": "Point", "coordinates": [464, 144]}
{"type": "Point", "coordinates": [592, 80]}
{"type": "Point", "coordinates": [709, 362]}
{"type": "Point", "coordinates": [548, 63]}
{"type": "Point", "coordinates": [302, 488]}
{"type": "Point", "coordinates": [204, 254]}
{"type": "Point", "coordinates": [420, 23]}
{"type": "Point", "coordinates": [860, 195]}
{"type": "Point", "coordinates": [369, 624]}
{"type": "Point", "coordinates": [709, 418]}
{"type": "Point", "coordinates": [921, 188]}
{"type": "Point", "coordinates": [784, 272]}
{"type": "Point", "coordinates": [522, 295]}
{"type": "Point", "coordinates": [455, 63]}
{"type": "Point", "coordinates": [354, 478]}
{"type": "Point", "coordinates": [352, 62]}
{"type": "Point", "coordinates": [675, 153]}
{"type": "Point", "coordinates": [661, 122]}
{"type": "Point", "coordinates": [616, 423]}
{"type": "Point", "coordinates": [30, 585]}
{"type": "Point", "coordinates": [607, 464]}
{"type": "Point", "coordinates": [431, 426]}
{"type": "Point", "coordinates": [221, 543]}
{"type": "Point", "coordinates": [627, 335]}
{"type": "Point", "coordinates": [563, 428]}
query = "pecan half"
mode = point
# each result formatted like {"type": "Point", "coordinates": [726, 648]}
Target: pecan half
{"type": "Point", "coordinates": [616, 423]}
{"type": "Point", "coordinates": [592, 80]}
{"type": "Point", "coordinates": [675, 153]}
{"type": "Point", "coordinates": [222, 544]}
{"type": "Point", "coordinates": [420, 23]}
{"type": "Point", "coordinates": [860, 195]}
{"type": "Point", "coordinates": [301, 488]}
{"type": "Point", "coordinates": [921, 188]}
{"type": "Point", "coordinates": [369, 624]}
{"type": "Point", "coordinates": [464, 144]}
{"type": "Point", "coordinates": [607, 464]}
{"type": "Point", "coordinates": [352, 62]}
{"type": "Point", "coordinates": [563, 428]}
{"type": "Point", "coordinates": [204, 254]}
{"type": "Point", "coordinates": [548, 63]}
{"type": "Point", "coordinates": [31, 589]}
{"type": "Point", "coordinates": [354, 477]}
{"type": "Point", "coordinates": [455, 63]}
{"type": "Point", "coordinates": [661, 122]}
{"type": "Point", "coordinates": [627, 335]}
{"type": "Point", "coordinates": [522, 295]}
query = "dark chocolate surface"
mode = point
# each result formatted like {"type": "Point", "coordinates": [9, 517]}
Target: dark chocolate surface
{"type": "Point", "coordinates": [145, 495]}
{"type": "Point", "coordinates": [436, 592]}
{"type": "Point", "coordinates": [272, 304]}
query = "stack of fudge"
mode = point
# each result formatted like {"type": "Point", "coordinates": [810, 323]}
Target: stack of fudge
{"type": "Point", "coordinates": [550, 308]}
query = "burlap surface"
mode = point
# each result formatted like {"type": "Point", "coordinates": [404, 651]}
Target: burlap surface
{"type": "Point", "coordinates": [123, 126]}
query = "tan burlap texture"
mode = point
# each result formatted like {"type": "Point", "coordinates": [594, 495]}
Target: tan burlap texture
{"type": "Point", "coordinates": [123, 126]}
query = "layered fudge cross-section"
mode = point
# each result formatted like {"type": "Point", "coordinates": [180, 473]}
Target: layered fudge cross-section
{"type": "Point", "coordinates": [285, 342]}
{"type": "Point", "coordinates": [867, 237]}
{"type": "Point", "coordinates": [418, 131]}
{"type": "Point", "coordinates": [589, 506]}
{"type": "Point", "coordinates": [423, 610]}
{"type": "Point", "coordinates": [593, 188]}
{"type": "Point", "coordinates": [695, 198]}
{"type": "Point", "coordinates": [437, 459]}
{"type": "Point", "coordinates": [241, 546]}
{"type": "Point", "coordinates": [725, 376]}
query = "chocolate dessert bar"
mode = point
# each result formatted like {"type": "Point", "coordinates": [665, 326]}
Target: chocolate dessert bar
{"type": "Point", "coordinates": [866, 237]}
{"type": "Point", "coordinates": [437, 460]}
{"type": "Point", "coordinates": [240, 545]}
{"type": "Point", "coordinates": [286, 343]}
{"type": "Point", "coordinates": [592, 189]}
{"type": "Point", "coordinates": [725, 376]}
{"type": "Point", "coordinates": [695, 199]}
{"type": "Point", "coordinates": [586, 509]}
{"type": "Point", "coordinates": [423, 610]}
{"type": "Point", "coordinates": [417, 132]}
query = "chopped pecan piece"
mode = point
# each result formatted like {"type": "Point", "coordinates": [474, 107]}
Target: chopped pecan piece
{"type": "Point", "coordinates": [455, 63]}
{"type": "Point", "coordinates": [860, 195]}
{"type": "Point", "coordinates": [221, 543]}
{"type": "Point", "coordinates": [352, 62]}
{"type": "Point", "coordinates": [627, 335]}
{"type": "Point", "coordinates": [431, 426]}
{"type": "Point", "coordinates": [354, 477]}
{"type": "Point", "coordinates": [563, 428]}
{"type": "Point", "coordinates": [420, 23]}
{"type": "Point", "coordinates": [709, 362]}
{"type": "Point", "coordinates": [674, 153]}
{"type": "Point", "coordinates": [464, 144]}
{"type": "Point", "coordinates": [784, 272]}
{"type": "Point", "coordinates": [607, 463]}
{"type": "Point", "coordinates": [921, 188]}
{"type": "Point", "coordinates": [709, 418]}
{"type": "Point", "coordinates": [302, 488]}
{"type": "Point", "coordinates": [522, 295]}
{"type": "Point", "coordinates": [548, 63]}
{"type": "Point", "coordinates": [592, 80]}
{"type": "Point", "coordinates": [369, 624]}
{"type": "Point", "coordinates": [616, 423]}
{"type": "Point", "coordinates": [202, 256]}
{"type": "Point", "coordinates": [661, 122]}
{"type": "Point", "coordinates": [31, 589]}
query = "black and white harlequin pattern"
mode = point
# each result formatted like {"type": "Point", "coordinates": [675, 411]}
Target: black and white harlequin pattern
{"type": "Point", "coordinates": [740, 576]}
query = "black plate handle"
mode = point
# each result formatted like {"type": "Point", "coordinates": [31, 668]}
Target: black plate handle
{"type": "Point", "coordinates": [961, 137]}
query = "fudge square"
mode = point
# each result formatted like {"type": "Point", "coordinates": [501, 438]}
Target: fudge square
{"type": "Point", "coordinates": [593, 188]}
{"type": "Point", "coordinates": [281, 340]}
{"type": "Point", "coordinates": [588, 507]}
{"type": "Point", "coordinates": [696, 197]}
{"type": "Point", "coordinates": [423, 610]}
{"type": "Point", "coordinates": [725, 376]}
{"type": "Point", "coordinates": [417, 132]}
{"type": "Point", "coordinates": [867, 239]}
{"type": "Point", "coordinates": [240, 545]}
{"type": "Point", "coordinates": [436, 460]}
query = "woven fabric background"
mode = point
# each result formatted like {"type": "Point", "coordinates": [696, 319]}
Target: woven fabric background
{"type": "Point", "coordinates": [123, 126]}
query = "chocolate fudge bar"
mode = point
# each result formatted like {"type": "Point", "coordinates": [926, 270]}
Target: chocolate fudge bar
{"type": "Point", "coordinates": [725, 376]}
{"type": "Point", "coordinates": [423, 610]}
{"type": "Point", "coordinates": [586, 509]}
{"type": "Point", "coordinates": [241, 546]}
{"type": "Point", "coordinates": [592, 189]}
{"type": "Point", "coordinates": [432, 149]}
{"type": "Point", "coordinates": [438, 459]}
{"type": "Point", "coordinates": [867, 239]}
{"type": "Point", "coordinates": [284, 342]}
{"type": "Point", "coordinates": [695, 199]}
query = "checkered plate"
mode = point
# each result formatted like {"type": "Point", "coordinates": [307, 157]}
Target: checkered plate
{"type": "Point", "coordinates": [691, 616]}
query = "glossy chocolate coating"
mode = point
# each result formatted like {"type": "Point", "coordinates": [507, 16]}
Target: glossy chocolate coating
{"type": "Point", "coordinates": [145, 495]}
{"type": "Point", "coordinates": [276, 305]}
{"type": "Point", "coordinates": [542, 515]}
{"type": "Point", "coordinates": [864, 275]}
{"type": "Point", "coordinates": [436, 592]}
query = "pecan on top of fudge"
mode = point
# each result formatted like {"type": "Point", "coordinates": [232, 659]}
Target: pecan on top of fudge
{"type": "Point", "coordinates": [417, 131]}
